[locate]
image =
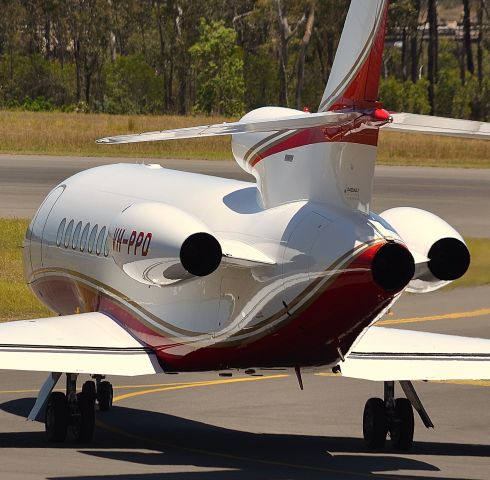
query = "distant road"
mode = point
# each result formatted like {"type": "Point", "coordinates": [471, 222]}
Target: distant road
{"type": "Point", "coordinates": [460, 196]}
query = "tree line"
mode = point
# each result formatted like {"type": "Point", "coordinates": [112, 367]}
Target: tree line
{"type": "Point", "coordinates": [229, 56]}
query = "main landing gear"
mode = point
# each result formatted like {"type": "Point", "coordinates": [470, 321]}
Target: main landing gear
{"type": "Point", "coordinates": [76, 411]}
{"type": "Point", "coordinates": [393, 416]}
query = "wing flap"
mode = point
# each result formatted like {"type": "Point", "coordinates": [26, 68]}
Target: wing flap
{"type": "Point", "coordinates": [90, 343]}
{"type": "Point", "coordinates": [306, 120]}
{"type": "Point", "coordinates": [387, 354]}
{"type": "Point", "coordinates": [429, 125]}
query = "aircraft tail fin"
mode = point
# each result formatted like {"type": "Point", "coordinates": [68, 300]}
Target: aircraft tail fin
{"type": "Point", "coordinates": [354, 78]}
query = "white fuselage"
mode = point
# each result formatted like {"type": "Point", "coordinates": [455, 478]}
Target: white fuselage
{"type": "Point", "coordinates": [310, 244]}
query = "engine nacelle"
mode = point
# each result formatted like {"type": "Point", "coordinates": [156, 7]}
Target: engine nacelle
{"type": "Point", "coordinates": [440, 252]}
{"type": "Point", "coordinates": [158, 244]}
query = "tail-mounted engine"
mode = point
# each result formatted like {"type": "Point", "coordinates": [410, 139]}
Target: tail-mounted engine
{"type": "Point", "coordinates": [158, 244]}
{"type": "Point", "coordinates": [440, 252]}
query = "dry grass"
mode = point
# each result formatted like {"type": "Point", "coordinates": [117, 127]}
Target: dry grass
{"type": "Point", "coordinates": [74, 134]}
{"type": "Point", "coordinates": [432, 151]}
{"type": "Point", "coordinates": [17, 301]}
{"type": "Point", "coordinates": [479, 271]}
{"type": "Point", "coordinates": [57, 133]}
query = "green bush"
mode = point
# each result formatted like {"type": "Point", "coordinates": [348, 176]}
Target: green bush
{"type": "Point", "coordinates": [35, 83]}
{"type": "Point", "coordinates": [132, 86]}
{"type": "Point", "coordinates": [452, 98]}
{"type": "Point", "coordinates": [400, 96]}
{"type": "Point", "coordinates": [218, 63]}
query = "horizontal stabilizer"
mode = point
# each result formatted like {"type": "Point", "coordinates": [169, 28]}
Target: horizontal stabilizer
{"type": "Point", "coordinates": [90, 343]}
{"type": "Point", "coordinates": [428, 125]}
{"type": "Point", "coordinates": [306, 120]}
{"type": "Point", "coordinates": [241, 254]}
{"type": "Point", "coordinates": [387, 354]}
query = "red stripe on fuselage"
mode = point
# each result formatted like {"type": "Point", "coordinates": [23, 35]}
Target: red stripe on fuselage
{"type": "Point", "coordinates": [311, 336]}
{"type": "Point", "coordinates": [357, 132]}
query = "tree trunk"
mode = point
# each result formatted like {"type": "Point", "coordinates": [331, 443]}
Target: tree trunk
{"type": "Point", "coordinates": [88, 79]}
{"type": "Point", "coordinates": [112, 45]}
{"type": "Point", "coordinates": [47, 35]}
{"type": "Point", "coordinates": [319, 51]}
{"type": "Point", "coordinates": [467, 37]}
{"type": "Point", "coordinates": [432, 52]}
{"type": "Point", "coordinates": [78, 69]}
{"type": "Point", "coordinates": [182, 92]}
{"type": "Point", "coordinates": [169, 91]}
{"type": "Point", "coordinates": [283, 55]}
{"type": "Point", "coordinates": [479, 51]}
{"type": "Point", "coordinates": [301, 57]}
{"type": "Point", "coordinates": [404, 55]}
{"type": "Point", "coordinates": [461, 61]}
{"type": "Point", "coordinates": [414, 56]}
{"type": "Point", "coordinates": [182, 69]}
{"type": "Point", "coordinates": [162, 58]}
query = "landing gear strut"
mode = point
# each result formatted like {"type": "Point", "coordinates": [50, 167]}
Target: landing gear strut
{"type": "Point", "coordinates": [71, 409]}
{"type": "Point", "coordinates": [394, 416]}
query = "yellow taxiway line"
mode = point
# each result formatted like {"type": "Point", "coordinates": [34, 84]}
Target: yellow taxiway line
{"type": "Point", "coordinates": [166, 445]}
{"type": "Point", "coordinates": [446, 316]}
{"type": "Point", "coordinates": [115, 387]}
{"type": "Point", "coordinates": [157, 388]}
{"type": "Point", "coordinates": [194, 384]}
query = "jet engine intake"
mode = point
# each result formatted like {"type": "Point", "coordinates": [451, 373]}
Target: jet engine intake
{"type": "Point", "coordinates": [440, 253]}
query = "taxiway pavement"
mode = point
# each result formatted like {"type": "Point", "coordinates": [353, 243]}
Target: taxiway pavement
{"type": "Point", "coordinates": [203, 426]}
{"type": "Point", "coordinates": [460, 196]}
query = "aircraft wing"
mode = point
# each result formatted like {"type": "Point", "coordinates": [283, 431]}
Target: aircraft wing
{"type": "Point", "coordinates": [90, 343]}
{"type": "Point", "coordinates": [388, 354]}
{"type": "Point", "coordinates": [307, 120]}
{"type": "Point", "coordinates": [429, 125]}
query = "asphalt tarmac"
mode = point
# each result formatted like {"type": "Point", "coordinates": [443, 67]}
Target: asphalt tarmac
{"type": "Point", "coordinates": [460, 196]}
{"type": "Point", "coordinates": [204, 426]}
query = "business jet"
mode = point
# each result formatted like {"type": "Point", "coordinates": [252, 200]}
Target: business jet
{"type": "Point", "coordinates": [153, 270]}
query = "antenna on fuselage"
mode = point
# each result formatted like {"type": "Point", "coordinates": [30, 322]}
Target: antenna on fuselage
{"type": "Point", "coordinates": [297, 370]}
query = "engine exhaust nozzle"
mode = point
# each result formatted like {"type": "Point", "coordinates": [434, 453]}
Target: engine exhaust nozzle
{"type": "Point", "coordinates": [200, 254]}
{"type": "Point", "coordinates": [393, 267]}
{"type": "Point", "coordinates": [449, 258]}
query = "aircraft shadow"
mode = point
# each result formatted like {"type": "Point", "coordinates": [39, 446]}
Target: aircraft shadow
{"type": "Point", "coordinates": [173, 441]}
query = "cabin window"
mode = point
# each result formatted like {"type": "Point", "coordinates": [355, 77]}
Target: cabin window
{"type": "Point", "coordinates": [83, 239]}
{"type": "Point", "coordinates": [100, 240]}
{"type": "Point", "coordinates": [106, 244]}
{"type": "Point", "coordinates": [69, 229]}
{"type": "Point", "coordinates": [61, 229]}
{"type": "Point", "coordinates": [76, 235]}
{"type": "Point", "coordinates": [91, 240]}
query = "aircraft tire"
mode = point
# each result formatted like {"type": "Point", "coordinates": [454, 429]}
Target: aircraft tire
{"type": "Point", "coordinates": [105, 396]}
{"type": "Point", "coordinates": [402, 426]}
{"type": "Point", "coordinates": [56, 417]}
{"type": "Point", "coordinates": [84, 423]}
{"type": "Point", "coordinates": [375, 423]}
{"type": "Point", "coordinates": [89, 388]}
